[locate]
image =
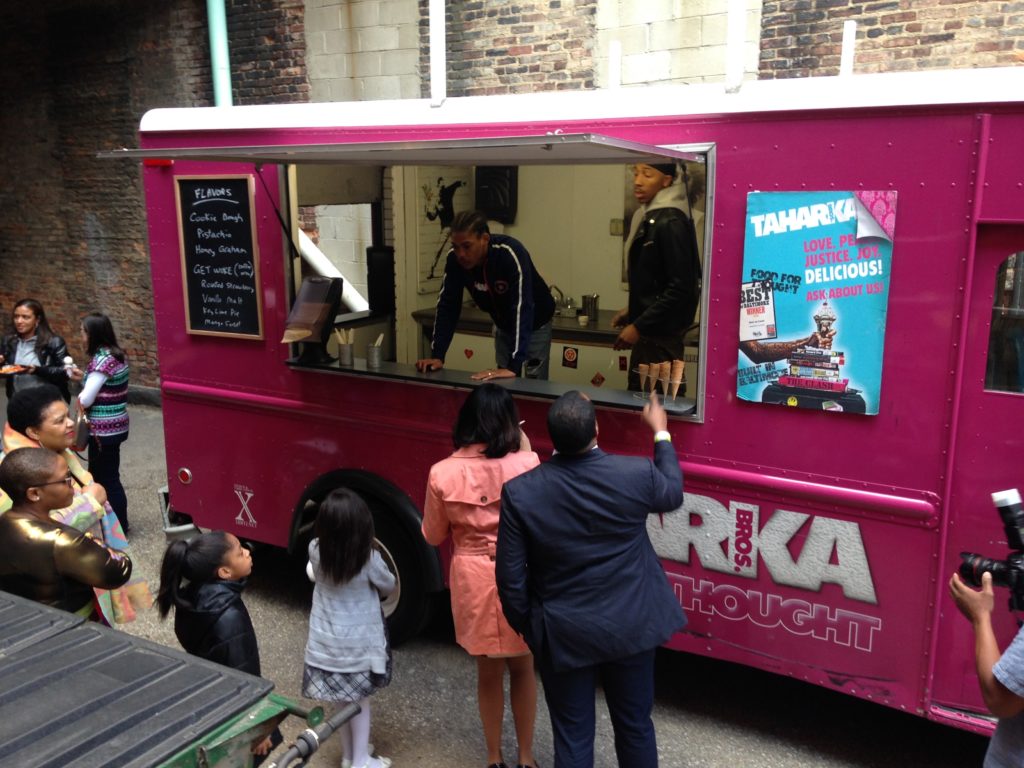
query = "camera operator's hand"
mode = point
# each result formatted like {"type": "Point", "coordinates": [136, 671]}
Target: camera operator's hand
{"type": "Point", "coordinates": [976, 605]}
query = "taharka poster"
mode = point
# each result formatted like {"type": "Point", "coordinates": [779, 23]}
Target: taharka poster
{"type": "Point", "coordinates": [813, 298]}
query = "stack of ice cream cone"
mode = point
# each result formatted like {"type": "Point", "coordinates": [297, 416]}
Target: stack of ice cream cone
{"type": "Point", "coordinates": [663, 371]}
{"type": "Point", "coordinates": [642, 369]}
{"type": "Point", "coordinates": [676, 377]}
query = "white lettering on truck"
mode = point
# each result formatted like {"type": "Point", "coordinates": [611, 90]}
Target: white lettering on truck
{"type": "Point", "coordinates": [244, 516]}
{"type": "Point", "coordinates": [804, 217]}
{"type": "Point", "coordinates": [729, 540]}
{"type": "Point", "coordinates": [798, 617]}
{"type": "Point", "coordinates": [733, 540]}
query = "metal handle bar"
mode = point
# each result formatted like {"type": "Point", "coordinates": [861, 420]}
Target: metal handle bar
{"type": "Point", "coordinates": [308, 742]}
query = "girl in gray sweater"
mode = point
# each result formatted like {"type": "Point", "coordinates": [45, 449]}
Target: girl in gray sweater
{"type": "Point", "coordinates": [347, 654]}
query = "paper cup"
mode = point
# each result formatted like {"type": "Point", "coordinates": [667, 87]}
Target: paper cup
{"type": "Point", "coordinates": [583, 320]}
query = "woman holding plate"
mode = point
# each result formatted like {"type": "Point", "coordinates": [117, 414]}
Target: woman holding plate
{"type": "Point", "coordinates": [35, 349]}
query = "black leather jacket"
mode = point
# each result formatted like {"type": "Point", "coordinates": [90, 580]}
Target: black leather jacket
{"type": "Point", "coordinates": [215, 625]}
{"type": "Point", "coordinates": [51, 359]}
{"type": "Point", "coordinates": [664, 273]}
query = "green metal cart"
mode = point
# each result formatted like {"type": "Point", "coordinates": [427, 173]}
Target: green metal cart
{"type": "Point", "coordinates": [74, 693]}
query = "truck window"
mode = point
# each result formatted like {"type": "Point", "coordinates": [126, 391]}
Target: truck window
{"type": "Point", "coordinates": [1005, 369]}
{"type": "Point", "coordinates": [574, 220]}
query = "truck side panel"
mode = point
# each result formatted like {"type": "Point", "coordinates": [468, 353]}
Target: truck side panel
{"type": "Point", "coordinates": [844, 519]}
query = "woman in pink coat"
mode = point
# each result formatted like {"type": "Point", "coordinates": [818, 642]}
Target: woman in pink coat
{"type": "Point", "coordinates": [463, 499]}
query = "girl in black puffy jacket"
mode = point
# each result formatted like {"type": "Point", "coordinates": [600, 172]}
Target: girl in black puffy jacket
{"type": "Point", "coordinates": [210, 619]}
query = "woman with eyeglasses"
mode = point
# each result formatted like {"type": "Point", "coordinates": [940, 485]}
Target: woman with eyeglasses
{"type": "Point", "coordinates": [36, 351]}
{"type": "Point", "coordinates": [47, 561]}
{"type": "Point", "coordinates": [38, 418]}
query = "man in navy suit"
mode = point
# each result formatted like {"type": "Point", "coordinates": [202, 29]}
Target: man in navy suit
{"type": "Point", "coordinates": [579, 579]}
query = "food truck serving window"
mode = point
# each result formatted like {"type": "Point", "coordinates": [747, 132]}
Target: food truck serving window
{"type": "Point", "coordinates": [556, 238]}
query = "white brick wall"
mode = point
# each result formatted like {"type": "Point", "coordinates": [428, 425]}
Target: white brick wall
{"type": "Point", "coordinates": [680, 41]}
{"type": "Point", "coordinates": [345, 233]}
{"type": "Point", "coordinates": [367, 49]}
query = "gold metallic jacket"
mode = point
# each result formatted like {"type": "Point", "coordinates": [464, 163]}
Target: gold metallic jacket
{"type": "Point", "coordinates": [55, 564]}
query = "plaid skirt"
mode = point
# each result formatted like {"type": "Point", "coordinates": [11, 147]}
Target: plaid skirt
{"type": "Point", "coordinates": [324, 685]}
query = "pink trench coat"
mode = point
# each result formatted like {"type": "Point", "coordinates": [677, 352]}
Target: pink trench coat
{"type": "Point", "coordinates": [464, 499]}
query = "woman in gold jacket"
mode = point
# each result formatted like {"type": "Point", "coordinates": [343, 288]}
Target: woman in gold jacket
{"type": "Point", "coordinates": [44, 560]}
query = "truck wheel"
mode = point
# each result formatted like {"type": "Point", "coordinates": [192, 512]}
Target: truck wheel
{"type": "Point", "coordinates": [408, 606]}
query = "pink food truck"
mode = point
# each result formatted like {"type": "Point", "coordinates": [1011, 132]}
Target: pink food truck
{"type": "Point", "coordinates": [854, 375]}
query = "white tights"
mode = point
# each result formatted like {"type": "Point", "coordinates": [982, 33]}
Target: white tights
{"type": "Point", "coordinates": [355, 735]}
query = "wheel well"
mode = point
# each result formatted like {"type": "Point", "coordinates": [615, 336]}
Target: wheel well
{"type": "Point", "coordinates": [380, 494]}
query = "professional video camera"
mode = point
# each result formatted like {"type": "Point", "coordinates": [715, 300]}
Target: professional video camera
{"type": "Point", "coordinates": [1009, 572]}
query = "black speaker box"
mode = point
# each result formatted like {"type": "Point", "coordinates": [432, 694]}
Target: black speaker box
{"type": "Point", "coordinates": [380, 279]}
{"type": "Point", "coordinates": [497, 192]}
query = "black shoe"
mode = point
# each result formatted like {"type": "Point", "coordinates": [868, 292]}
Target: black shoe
{"type": "Point", "coordinates": [497, 765]}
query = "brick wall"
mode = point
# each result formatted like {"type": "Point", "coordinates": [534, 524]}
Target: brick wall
{"type": "Point", "coordinates": [358, 50]}
{"type": "Point", "coordinates": [522, 47]}
{"type": "Point", "coordinates": [267, 48]}
{"type": "Point", "coordinates": [801, 38]}
{"type": "Point", "coordinates": [77, 76]}
{"type": "Point", "coordinates": [76, 79]}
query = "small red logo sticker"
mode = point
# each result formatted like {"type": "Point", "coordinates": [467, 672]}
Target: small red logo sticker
{"type": "Point", "coordinates": [467, 352]}
{"type": "Point", "coordinates": [598, 379]}
{"type": "Point", "coordinates": [569, 357]}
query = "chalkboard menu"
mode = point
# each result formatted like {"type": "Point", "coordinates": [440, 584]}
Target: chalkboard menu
{"type": "Point", "coordinates": [219, 255]}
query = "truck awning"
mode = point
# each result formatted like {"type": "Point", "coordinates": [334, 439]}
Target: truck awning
{"type": "Point", "coordinates": [557, 149]}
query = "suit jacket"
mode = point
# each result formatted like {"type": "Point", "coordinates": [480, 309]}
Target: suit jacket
{"type": "Point", "coordinates": [577, 575]}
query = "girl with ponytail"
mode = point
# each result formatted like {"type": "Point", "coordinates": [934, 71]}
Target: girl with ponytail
{"type": "Point", "coordinates": [202, 580]}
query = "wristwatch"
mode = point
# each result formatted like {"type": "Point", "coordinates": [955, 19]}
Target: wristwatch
{"type": "Point", "coordinates": [662, 435]}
